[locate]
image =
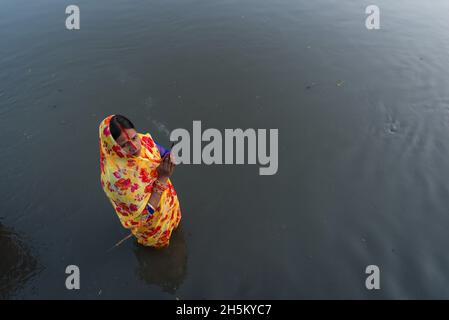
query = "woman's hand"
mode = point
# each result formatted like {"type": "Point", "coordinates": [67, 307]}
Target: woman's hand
{"type": "Point", "coordinates": [164, 171]}
{"type": "Point", "coordinates": [165, 168]}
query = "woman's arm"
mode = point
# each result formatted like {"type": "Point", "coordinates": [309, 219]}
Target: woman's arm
{"type": "Point", "coordinates": [164, 170]}
{"type": "Point", "coordinates": [155, 197]}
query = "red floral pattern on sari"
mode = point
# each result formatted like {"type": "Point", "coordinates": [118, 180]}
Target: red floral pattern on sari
{"type": "Point", "coordinates": [123, 184]}
{"type": "Point", "coordinates": [118, 151]}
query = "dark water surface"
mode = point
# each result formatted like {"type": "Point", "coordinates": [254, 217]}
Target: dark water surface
{"type": "Point", "coordinates": [363, 146]}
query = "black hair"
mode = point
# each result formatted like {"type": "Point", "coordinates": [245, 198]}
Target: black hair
{"type": "Point", "coordinates": [118, 121]}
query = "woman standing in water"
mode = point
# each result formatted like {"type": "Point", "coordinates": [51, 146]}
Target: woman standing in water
{"type": "Point", "coordinates": [135, 175]}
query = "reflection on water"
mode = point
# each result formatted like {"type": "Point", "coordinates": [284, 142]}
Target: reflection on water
{"type": "Point", "coordinates": [166, 267]}
{"type": "Point", "coordinates": [17, 264]}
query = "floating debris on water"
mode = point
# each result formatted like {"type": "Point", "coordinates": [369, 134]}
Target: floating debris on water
{"type": "Point", "coordinates": [393, 126]}
{"type": "Point", "coordinates": [311, 85]}
{"type": "Point", "coordinates": [340, 83]}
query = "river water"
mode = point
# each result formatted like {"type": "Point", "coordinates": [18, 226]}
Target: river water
{"type": "Point", "coordinates": [363, 147]}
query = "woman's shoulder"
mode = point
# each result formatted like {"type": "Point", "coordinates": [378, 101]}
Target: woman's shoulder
{"type": "Point", "coordinates": [146, 134]}
{"type": "Point", "coordinates": [147, 140]}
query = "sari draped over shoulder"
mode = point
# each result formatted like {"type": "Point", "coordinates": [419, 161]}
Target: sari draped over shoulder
{"type": "Point", "coordinates": [128, 184]}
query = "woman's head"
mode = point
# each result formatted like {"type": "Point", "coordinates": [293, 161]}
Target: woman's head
{"type": "Point", "coordinates": [123, 132]}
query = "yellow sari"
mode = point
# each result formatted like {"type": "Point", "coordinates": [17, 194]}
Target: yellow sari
{"type": "Point", "coordinates": [128, 183]}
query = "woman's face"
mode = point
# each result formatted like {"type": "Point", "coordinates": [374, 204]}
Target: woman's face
{"type": "Point", "coordinates": [129, 141]}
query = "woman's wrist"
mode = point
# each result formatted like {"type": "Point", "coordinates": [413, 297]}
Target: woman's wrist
{"type": "Point", "coordinates": [160, 185]}
{"type": "Point", "coordinates": [151, 208]}
{"type": "Point", "coordinates": [162, 180]}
